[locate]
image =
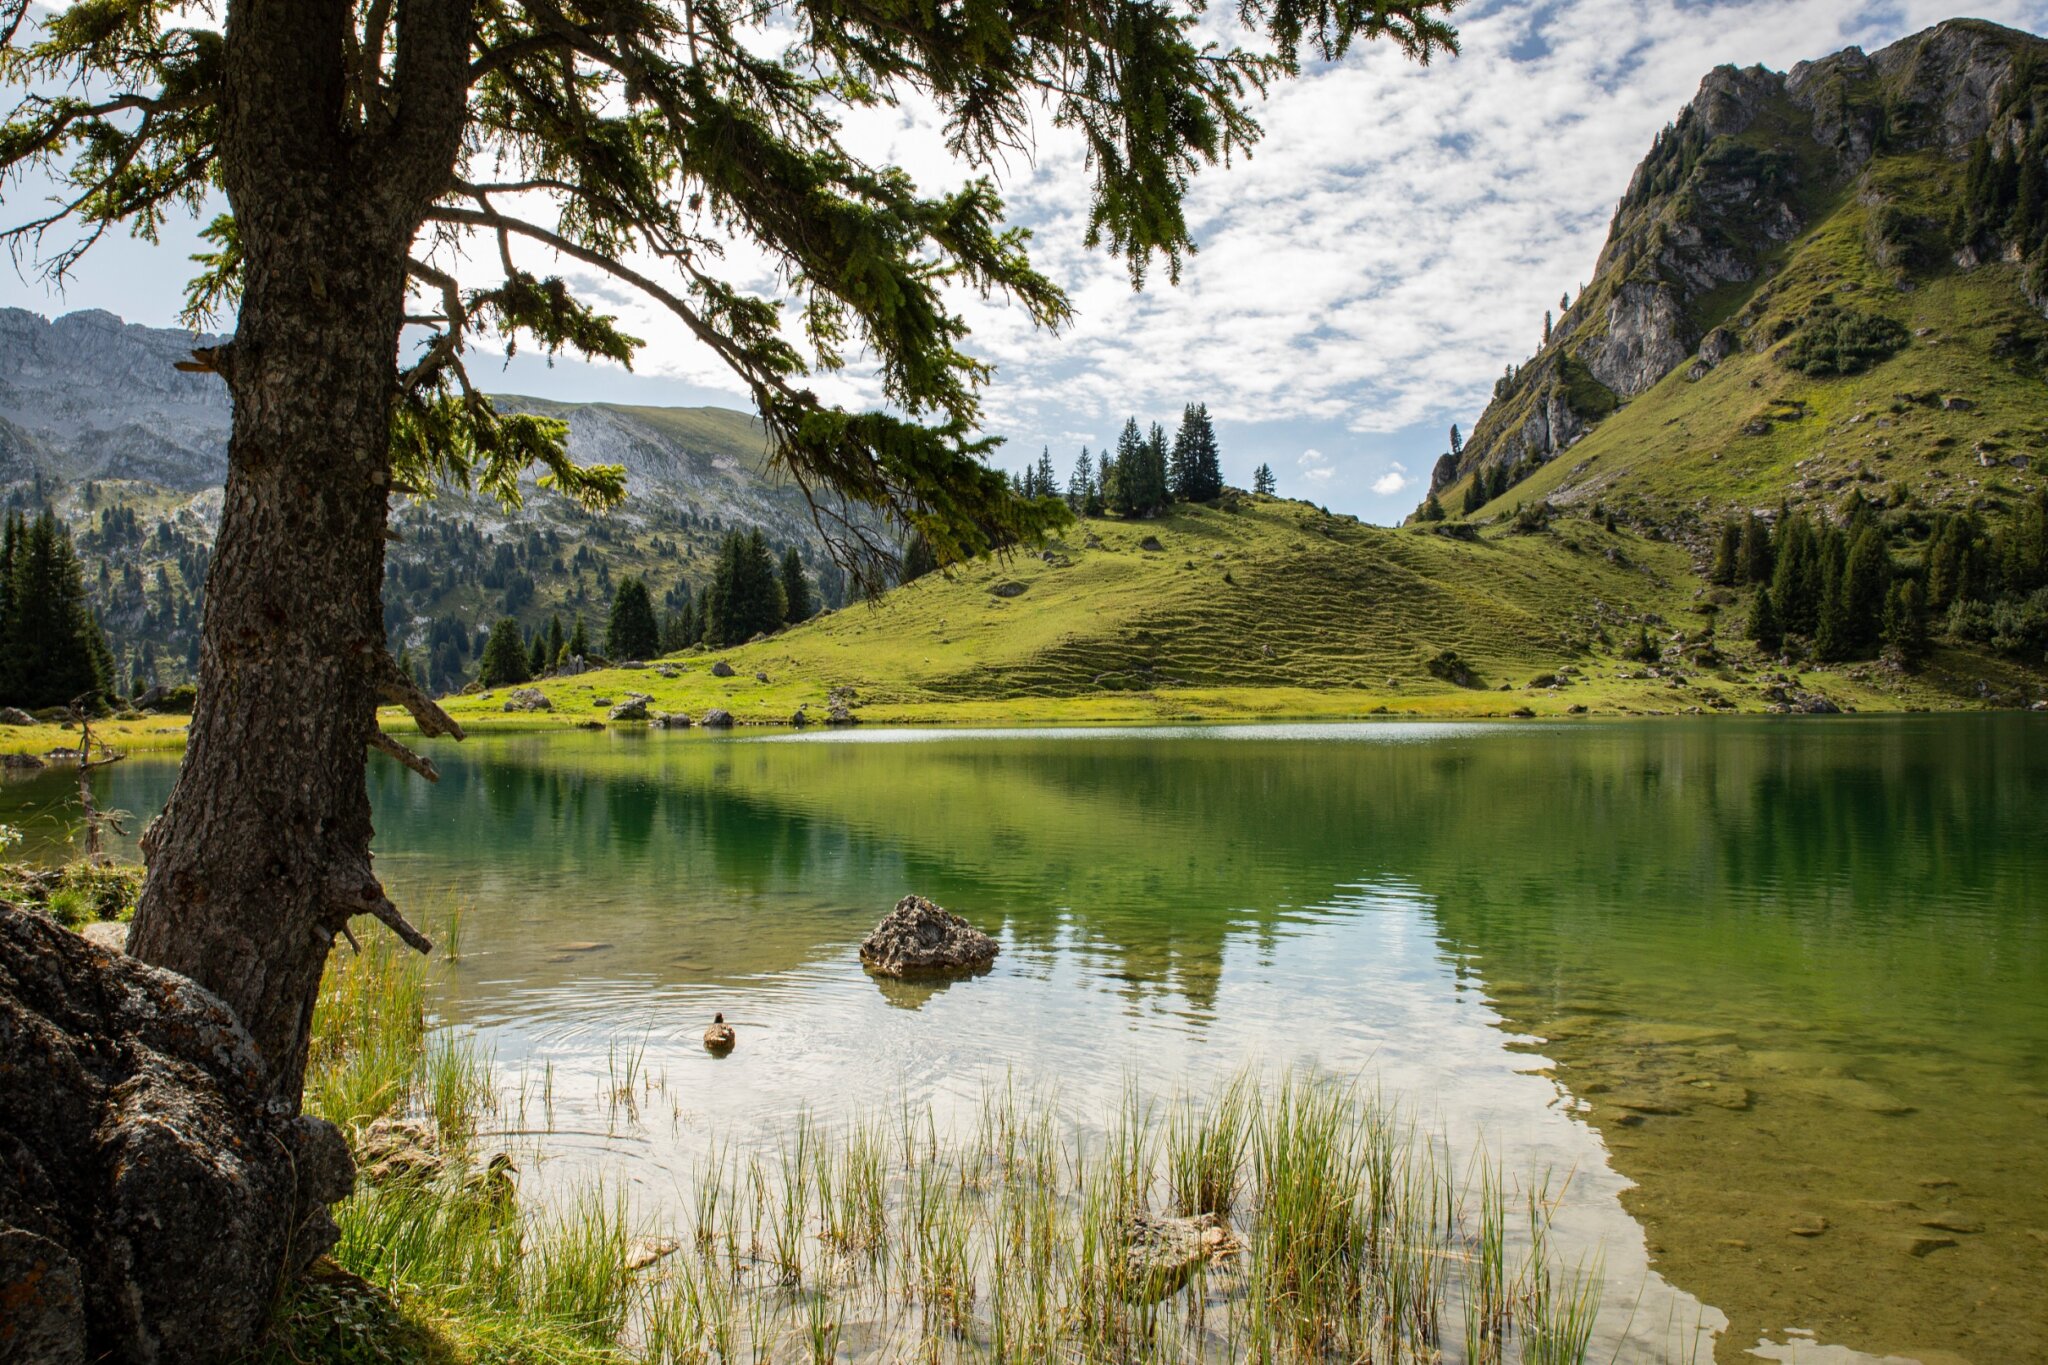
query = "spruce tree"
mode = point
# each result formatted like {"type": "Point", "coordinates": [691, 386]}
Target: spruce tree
{"type": "Point", "coordinates": [51, 647]}
{"type": "Point", "coordinates": [1432, 510]}
{"type": "Point", "coordinates": [1756, 550]}
{"type": "Point", "coordinates": [1082, 494]}
{"type": "Point", "coordinates": [632, 632]}
{"type": "Point", "coordinates": [1475, 493]}
{"type": "Point", "coordinates": [537, 657]}
{"type": "Point", "coordinates": [1048, 482]}
{"type": "Point", "coordinates": [1197, 463]}
{"type": "Point", "coordinates": [1866, 584]}
{"type": "Point", "coordinates": [1127, 475]}
{"type": "Point", "coordinates": [555, 638]}
{"type": "Point", "coordinates": [504, 662]}
{"type": "Point", "coordinates": [1157, 493]}
{"type": "Point", "coordinates": [801, 605]}
{"type": "Point", "coordinates": [1263, 480]}
{"type": "Point", "coordinates": [1905, 621]}
{"type": "Point", "coordinates": [1457, 443]}
{"type": "Point", "coordinates": [916, 559]}
{"type": "Point", "coordinates": [579, 640]}
{"type": "Point", "coordinates": [1727, 555]}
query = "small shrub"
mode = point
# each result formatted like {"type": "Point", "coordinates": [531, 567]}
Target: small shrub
{"type": "Point", "coordinates": [1446, 665]}
{"type": "Point", "coordinates": [1842, 341]}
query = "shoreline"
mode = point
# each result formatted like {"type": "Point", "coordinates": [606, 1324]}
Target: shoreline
{"type": "Point", "coordinates": [50, 741]}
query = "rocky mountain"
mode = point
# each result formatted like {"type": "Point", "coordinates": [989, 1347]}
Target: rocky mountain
{"type": "Point", "coordinates": [1779, 206]}
{"type": "Point", "coordinates": [97, 423]}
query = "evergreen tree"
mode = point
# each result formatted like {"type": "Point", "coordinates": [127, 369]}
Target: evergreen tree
{"type": "Point", "coordinates": [579, 641]}
{"type": "Point", "coordinates": [1756, 550]}
{"type": "Point", "coordinates": [1546, 327]}
{"type": "Point", "coordinates": [1197, 459]}
{"type": "Point", "coordinates": [916, 560]}
{"type": "Point", "coordinates": [1457, 443]}
{"type": "Point", "coordinates": [1432, 510]}
{"type": "Point", "coordinates": [1048, 483]}
{"type": "Point", "coordinates": [1263, 480]}
{"type": "Point", "coordinates": [1082, 495]}
{"type": "Point", "coordinates": [555, 638]}
{"type": "Point", "coordinates": [632, 632]}
{"type": "Point", "coordinates": [1763, 620]}
{"type": "Point", "coordinates": [1795, 587]}
{"type": "Point", "coordinates": [1727, 555]}
{"type": "Point", "coordinates": [1475, 492]}
{"type": "Point", "coordinates": [504, 662]}
{"type": "Point", "coordinates": [1905, 621]}
{"type": "Point", "coordinates": [52, 651]}
{"type": "Point", "coordinates": [1866, 584]}
{"type": "Point", "coordinates": [798, 602]}
{"type": "Point", "coordinates": [537, 656]}
{"type": "Point", "coordinates": [746, 592]}
{"type": "Point", "coordinates": [1126, 473]}
{"type": "Point", "coordinates": [1157, 493]}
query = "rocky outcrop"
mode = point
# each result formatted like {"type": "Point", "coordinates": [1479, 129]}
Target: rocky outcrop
{"type": "Point", "coordinates": [1712, 202]}
{"type": "Point", "coordinates": [527, 699]}
{"type": "Point", "coordinates": [634, 707]}
{"type": "Point", "coordinates": [149, 1199]}
{"type": "Point", "coordinates": [919, 938]}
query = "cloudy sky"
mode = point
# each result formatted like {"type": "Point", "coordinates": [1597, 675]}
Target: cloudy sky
{"type": "Point", "coordinates": [1392, 245]}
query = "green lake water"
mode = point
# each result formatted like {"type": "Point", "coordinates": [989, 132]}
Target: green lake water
{"type": "Point", "coordinates": [1772, 993]}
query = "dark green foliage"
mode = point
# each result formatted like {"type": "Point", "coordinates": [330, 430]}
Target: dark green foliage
{"type": "Point", "coordinates": [1763, 626]}
{"type": "Point", "coordinates": [800, 604]}
{"type": "Point", "coordinates": [1841, 341]}
{"type": "Point", "coordinates": [51, 650]}
{"type": "Point", "coordinates": [1757, 557]}
{"type": "Point", "coordinates": [579, 641]}
{"type": "Point", "coordinates": [916, 559]}
{"type": "Point", "coordinates": [1138, 474]}
{"type": "Point", "coordinates": [1727, 566]}
{"type": "Point", "coordinates": [746, 592]}
{"type": "Point", "coordinates": [1084, 493]}
{"type": "Point", "coordinates": [632, 632]}
{"type": "Point", "coordinates": [1475, 492]}
{"type": "Point", "coordinates": [1905, 621]}
{"type": "Point", "coordinates": [1644, 649]}
{"type": "Point", "coordinates": [1432, 510]}
{"type": "Point", "coordinates": [1196, 464]}
{"type": "Point", "coordinates": [538, 660]}
{"type": "Point", "coordinates": [504, 662]}
{"type": "Point", "coordinates": [1447, 665]}
{"type": "Point", "coordinates": [1866, 582]}
{"type": "Point", "coordinates": [1263, 480]}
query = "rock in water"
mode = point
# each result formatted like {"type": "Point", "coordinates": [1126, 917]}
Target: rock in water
{"type": "Point", "coordinates": [149, 1198]}
{"type": "Point", "coordinates": [918, 938]}
{"type": "Point", "coordinates": [1161, 1252]}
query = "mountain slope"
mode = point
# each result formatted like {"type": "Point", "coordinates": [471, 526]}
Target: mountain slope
{"type": "Point", "coordinates": [96, 421]}
{"type": "Point", "coordinates": [1776, 207]}
{"type": "Point", "coordinates": [1272, 609]}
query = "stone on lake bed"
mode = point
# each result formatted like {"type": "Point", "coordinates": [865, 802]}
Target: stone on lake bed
{"type": "Point", "coordinates": [580, 947]}
{"type": "Point", "coordinates": [919, 938]}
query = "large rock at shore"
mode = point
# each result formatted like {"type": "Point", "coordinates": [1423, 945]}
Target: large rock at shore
{"type": "Point", "coordinates": [919, 938]}
{"type": "Point", "coordinates": [150, 1200]}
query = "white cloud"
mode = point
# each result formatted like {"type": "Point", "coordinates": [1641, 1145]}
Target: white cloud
{"type": "Point", "coordinates": [1314, 465]}
{"type": "Point", "coordinates": [1393, 481]}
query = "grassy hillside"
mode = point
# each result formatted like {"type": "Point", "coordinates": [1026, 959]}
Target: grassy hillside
{"type": "Point", "coordinates": [1273, 610]}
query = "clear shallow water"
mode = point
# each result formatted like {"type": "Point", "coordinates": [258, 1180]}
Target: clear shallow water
{"type": "Point", "coordinates": [1743, 981]}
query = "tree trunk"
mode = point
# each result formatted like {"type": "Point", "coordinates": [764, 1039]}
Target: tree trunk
{"type": "Point", "coordinates": [263, 851]}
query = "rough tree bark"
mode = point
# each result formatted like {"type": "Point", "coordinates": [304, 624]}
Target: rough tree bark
{"type": "Point", "coordinates": [263, 852]}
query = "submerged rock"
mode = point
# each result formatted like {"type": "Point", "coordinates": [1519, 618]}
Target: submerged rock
{"type": "Point", "coordinates": [152, 1199]}
{"type": "Point", "coordinates": [919, 938]}
{"type": "Point", "coordinates": [1160, 1252]}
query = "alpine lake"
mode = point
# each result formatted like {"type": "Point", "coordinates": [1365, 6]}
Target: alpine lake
{"type": "Point", "coordinates": [1762, 1003]}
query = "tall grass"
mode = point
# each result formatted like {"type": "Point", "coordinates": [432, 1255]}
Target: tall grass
{"type": "Point", "coordinates": [1318, 1224]}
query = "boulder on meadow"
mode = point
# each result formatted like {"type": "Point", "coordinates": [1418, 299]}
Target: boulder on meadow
{"type": "Point", "coordinates": [669, 720]}
{"type": "Point", "coordinates": [14, 715]}
{"type": "Point", "coordinates": [760, 676]}
{"type": "Point", "coordinates": [1011, 588]}
{"type": "Point", "coordinates": [1151, 543]}
{"type": "Point", "coordinates": [152, 1200]}
{"type": "Point", "coordinates": [919, 938]}
{"type": "Point", "coordinates": [718, 718]}
{"type": "Point", "coordinates": [634, 707]}
{"type": "Point", "coordinates": [527, 699]}
{"type": "Point", "coordinates": [721, 669]}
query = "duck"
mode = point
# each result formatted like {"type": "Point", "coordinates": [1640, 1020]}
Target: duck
{"type": "Point", "coordinates": [719, 1038]}
{"type": "Point", "coordinates": [493, 1187]}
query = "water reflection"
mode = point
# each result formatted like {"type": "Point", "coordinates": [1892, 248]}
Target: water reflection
{"type": "Point", "coordinates": [1736, 977]}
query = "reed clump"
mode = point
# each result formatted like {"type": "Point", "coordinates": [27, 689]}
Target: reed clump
{"type": "Point", "coordinates": [1291, 1218]}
